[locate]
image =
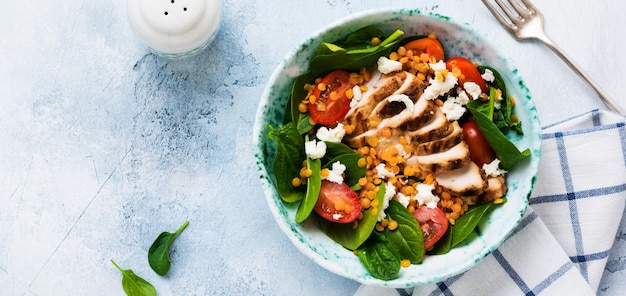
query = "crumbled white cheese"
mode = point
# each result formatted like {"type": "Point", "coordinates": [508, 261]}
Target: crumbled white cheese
{"type": "Point", "coordinates": [404, 99]}
{"type": "Point", "coordinates": [337, 216]}
{"type": "Point", "coordinates": [383, 172]}
{"type": "Point", "coordinates": [473, 89]}
{"type": "Point", "coordinates": [387, 66]}
{"type": "Point", "coordinates": [498, 102]}
{"type": "Point", "coordinates": [493, 169]}
{"type": "Point", "coordinates": [358, 94]}
{"type": "Point", "coordinates": [462, 98]}
{"type": "Point", "coordinates": [488, 76]}
{"type": "Point", "coordinates": [336, 173]}
{"type": "Point", "coordinates": [438, 66]}
{"type": "Point", "coordinates": [453, 110]}
{"type": "Point", "coordinates": [403, 199]}
{"type": "Point", "coordinates": [436, 87]}
{"type": "Point", "coordinates": [315, 149]}
{"type": "Point", "coordinates": [390, 191]}
{"type": "Point", "coordinates": [334, 135]}
{"type": "Point", "coordinates": [425, 195]}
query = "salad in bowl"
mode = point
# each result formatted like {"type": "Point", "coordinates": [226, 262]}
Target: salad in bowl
{"type": "Point", "coordinates": [397, 148]}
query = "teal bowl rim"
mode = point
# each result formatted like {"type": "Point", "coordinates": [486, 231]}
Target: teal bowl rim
{"type": "Point", "coordinates": [260, 139]}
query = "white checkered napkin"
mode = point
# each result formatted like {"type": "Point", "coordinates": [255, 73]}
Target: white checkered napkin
{"type": "Point", "coordinates": [563, 242]}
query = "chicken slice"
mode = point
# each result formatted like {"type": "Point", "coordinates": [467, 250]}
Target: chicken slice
{"type": "Point", "coordinates": [465, 181]}
{"type": "Point", "coordinates": [450, 159]}
{"type": "Point", "coordinates": [453, 138]}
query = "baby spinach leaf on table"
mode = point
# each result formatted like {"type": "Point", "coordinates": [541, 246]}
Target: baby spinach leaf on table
{"type": "Point", "coordinates": [313, 185]}
{"type": "Point", "coordinates": [288, 160]}
{"type": "Point", "coordinates": [133, 284]}
{"type": "Point", "coordinates": [505, 150]}
{"type": "Point", "coordinates": [345, 234]}
{"type": "Point", "coordinates": [407, 239]}
{"type": "Point", "coordinates": [158, 254]}
{"type": "Point", "coordinates": [379, 257]}
{"type": "Point", "coordinates": [465, 225]}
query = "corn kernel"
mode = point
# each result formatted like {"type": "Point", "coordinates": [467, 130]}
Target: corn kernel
{"type": "Point", "coordinates": [372, 141]}
{"type": "Point", "coordinates": [393, 225]}
{"type": "Point", "coordinates": [361, 162]}
{"type": "Point", "coordinates": [320, 106]}
{"type": "Point", "coordinates": [302, 107]}
{"type": "Point", "coordinates": [349, 93]}
{"type": "Point", "coordinates": [296, 182]}
{"type": "Point", "coordinates": [348, 128]}
{"type": "Point", "coordinates": [321, 86]}
{"type": "Point", "coordinates": [379, 227]}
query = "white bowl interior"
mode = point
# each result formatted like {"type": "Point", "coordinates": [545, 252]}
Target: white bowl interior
{"type": "Point", "coordinates": [458, 40]}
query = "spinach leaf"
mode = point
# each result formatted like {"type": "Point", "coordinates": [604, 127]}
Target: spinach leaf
{"type": "Point", "coordinates": [379, 257]}
{"type": "Point", "coordinates": [313, 185]}
{"type": "Point", "coordinates": [331, 57]}
{"type": "Point", "coordinates": [505, 150]}
{"type": "Point", "coordinates": [304, 125]}
{"type": "Point", "coordinates": [348, 157]}
{"type": "Point", "coordinates": [288, 160]}
{"type": "Point", "coordinates": [361, 37]}
{"type": "Point", "coordinates": [506, 110]}
{"type": "Point", "coordinates": [298, 93]}
{"type": "Point", "coordinates": [407, 238]}
{"type": "Point", "coordinates": [158, 253]}
{"type": "Point", "coordinates": [133, 284]}
{"type": "Point", "coordinates": [345, 234]}
{"type": "Point", "coordinates": [465, 225]}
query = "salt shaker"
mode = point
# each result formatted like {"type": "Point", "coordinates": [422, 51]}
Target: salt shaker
{"type": "Point", "coordinates": [175, 28]}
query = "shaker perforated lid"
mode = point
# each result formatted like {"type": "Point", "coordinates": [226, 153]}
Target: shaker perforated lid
{"type": "Point", "coordinates": [175, 28]}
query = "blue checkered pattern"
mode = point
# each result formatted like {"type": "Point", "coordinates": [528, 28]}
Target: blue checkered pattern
{"type": "Point", "coordinates": [563, 242]}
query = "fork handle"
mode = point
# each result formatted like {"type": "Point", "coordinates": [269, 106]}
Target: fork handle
{"type": "Point", "coordinates": [611, 104]}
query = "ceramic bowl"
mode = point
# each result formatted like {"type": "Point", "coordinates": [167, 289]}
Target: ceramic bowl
{"type": "Point", "coordinates": [458, 39]}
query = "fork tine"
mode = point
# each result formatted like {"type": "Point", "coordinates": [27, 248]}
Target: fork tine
{"type": "Point", "coordinates": [513, 17]}
{"type": "Point", "coordinates": [505, 21]}
{"type": "Point", "coordinates": [523, 12]}
{"type": "Point", "coordinates": [530, 7]}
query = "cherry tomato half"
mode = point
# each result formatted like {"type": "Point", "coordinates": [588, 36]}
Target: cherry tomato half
{"type": "Point", "coordinates": [433, 223]}
{"type": "Point", "coordinates": [480, 150]}
{"type": "Point", "coordinates": [468, 70]}
{"type": "Point", "coordinates": [428, 45]}
{"type": "Point", "coordinates": [337, 202]}
{"type": "Point", "coordinates": [329, 108]}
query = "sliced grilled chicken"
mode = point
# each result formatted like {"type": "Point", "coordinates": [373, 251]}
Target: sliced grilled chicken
{"type": "Point", "coordinates": [465, 181]}
{"type": "Point", "coordinates": [444, 143]}
{"type": "Point", "coordinates": [446, 160]}
{"type": "Point", "coordinates": [496, 188]}
{"type": "Point", "coordinates": [393, 101]}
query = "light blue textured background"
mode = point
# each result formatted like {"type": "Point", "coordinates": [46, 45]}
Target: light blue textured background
{"type": "Point", "coordinates": [104, 145]}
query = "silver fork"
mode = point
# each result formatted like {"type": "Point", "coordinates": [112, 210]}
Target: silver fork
{"type": "Point", "coordinates": [524, 21]}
